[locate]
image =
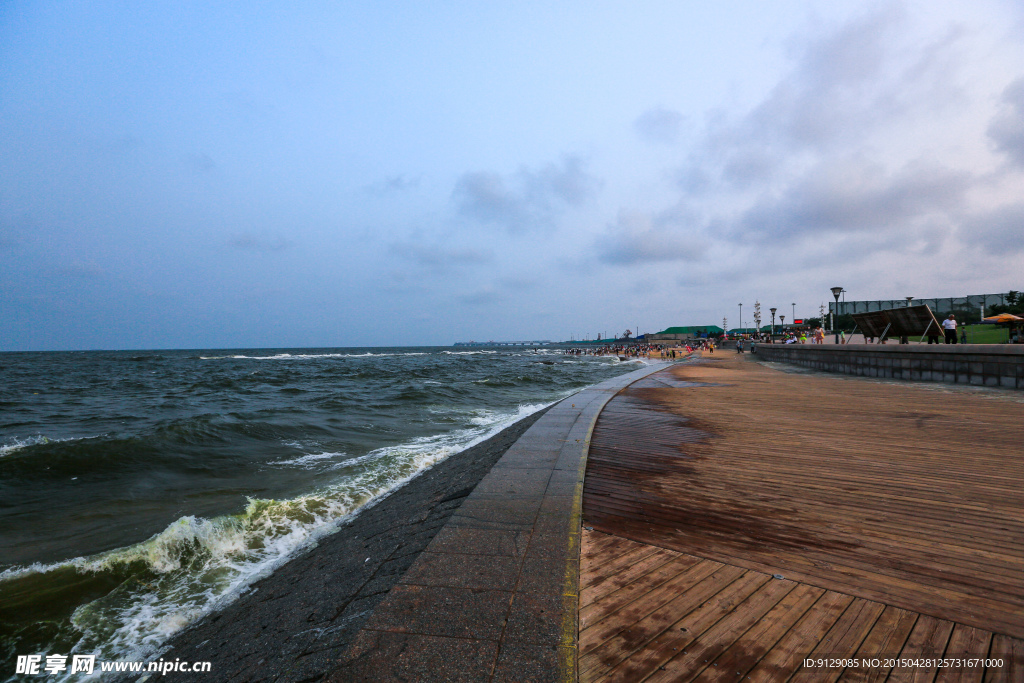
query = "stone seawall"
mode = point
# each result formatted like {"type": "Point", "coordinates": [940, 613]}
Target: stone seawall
{"type": "Point", "coordinates": [989, 365]}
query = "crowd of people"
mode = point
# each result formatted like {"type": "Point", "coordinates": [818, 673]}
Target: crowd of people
{"type": "Point", "coordinates": [627, 351]}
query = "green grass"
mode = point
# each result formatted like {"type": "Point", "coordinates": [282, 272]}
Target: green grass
{"type": "Point", "coordinates": [987, 334]}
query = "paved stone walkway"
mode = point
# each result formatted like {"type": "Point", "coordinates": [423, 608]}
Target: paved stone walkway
{"type": "Point", "coordinates": [494, 596]}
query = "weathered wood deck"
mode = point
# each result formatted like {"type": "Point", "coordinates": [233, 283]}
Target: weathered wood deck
{"type": "Point", "coordinates": [744, 519]}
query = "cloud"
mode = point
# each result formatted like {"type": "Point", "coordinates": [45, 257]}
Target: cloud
{"type": "Point", "coordinates": [856, 195]}
{"type": "Point", "coordinates": [998, 231]}
{"type": "Point", "coordinates": [861, 80]}
{"type": "Point", "coordinates": [637, 238]}
{"type": "Point", "coordinates": [833, 91]}
{"type": "Point", "coordinates": [527, 200]}
{"type": "Point", "coordinates": [441, 258]}
{"type": "Point", "coordinates": [481, 297]}
{"type": "Point", "coordinates": [856, 153]}
{"type": "Point", "coordinates": [396, 183]}
{"type": "Point", "coordinates": [1007, 128]}
{"type": "Point", "coordinates": [659, 125]}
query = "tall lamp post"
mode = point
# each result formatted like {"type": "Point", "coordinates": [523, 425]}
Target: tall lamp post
{"type": "Point", "coordinates": [836, 291]}
{"type": "Point", "coordinates": [741, 318]}
{"type": "Point", "coordinates": [909, 299]}
{"type": "Point", "coordinates": [782, 322]}
{"type": "Point", "coordinates": [794, 313]}
{"type": "Point", "coordinates": [773, 321]}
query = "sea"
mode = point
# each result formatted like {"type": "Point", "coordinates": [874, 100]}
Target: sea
{"type": "Point", "coordinates": [141, 490]}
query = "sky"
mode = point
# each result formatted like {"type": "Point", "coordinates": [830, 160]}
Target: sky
{"type": "Point", "coordinates": [305, 174]}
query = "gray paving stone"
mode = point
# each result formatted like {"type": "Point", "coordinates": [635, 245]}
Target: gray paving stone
{"type": "Point", "coordinates": [516, 539]}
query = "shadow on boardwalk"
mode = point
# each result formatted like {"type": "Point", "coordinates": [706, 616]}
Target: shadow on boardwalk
{"type": "Point", "coordinates": [801, 515]}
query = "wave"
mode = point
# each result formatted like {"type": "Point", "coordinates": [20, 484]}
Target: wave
{"type": "Point", "coordinates": [309, 461]}
{"type": "Point", "coordinates": [302, 356]}
{"type": "Point", "coordinates": [198, 565]}
{"type": "Point", "coordinates": [15, 444]}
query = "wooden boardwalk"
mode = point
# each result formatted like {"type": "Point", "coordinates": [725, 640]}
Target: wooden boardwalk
{"type": "Point", "coordinates": [742, 519]}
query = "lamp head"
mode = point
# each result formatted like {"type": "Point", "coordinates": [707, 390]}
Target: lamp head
{"type": "Point", "coordinates": [773, 310]}
{"type": "Point", "coordinates": [836, 291]}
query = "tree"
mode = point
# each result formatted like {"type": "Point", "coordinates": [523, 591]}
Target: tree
{"type": "Point", "coordinates": [1014, 304]}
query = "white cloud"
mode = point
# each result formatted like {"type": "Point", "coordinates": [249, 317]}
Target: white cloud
{"type": "Point", "coordinates": [659, 125]}
{"type": "Point", "coordinates": [1007, 128]}
{"type": "Point", "coordinates": [637, 238]}
{"type": "Point", "coordinates": [529, 199]}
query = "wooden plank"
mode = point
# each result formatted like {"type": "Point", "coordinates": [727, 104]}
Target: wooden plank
{"type": "Point", "coordinates": [1011, 653]}
{"type": "Point", "coordinates": [744, 654]}
{"type": "Point", "coordinates": [927, 640]}
{"type": "Point", "coordinates": [966, 642]}
{"type": "Point", "coordinates": [842, 640]}
{"type": "Point", "coordinates": [972, 608]}
{"type": "Point", "coordinates": [921, 531]}
{"type": "Point", "coordinates": [683, 593]}
{"type": "Point", "coordinates": [665, 637]}
{"type": "Point", "coordinates": [596, 588]}
{"type": "Point", "coordinates": [612, 602]}
{"type": "Point", "coordinates": [687, 616]}
{"type": "Point", "coordinates": [605, 572]}
{"type": "Point", "coordinates": [612, 548]}
{"type": "Point", "coordinates": [787, 656]}
{"type": "Point", "coordinates": [915, 535]}
{"type": "Point", "coordinates": [710, 645]}
{"type": "Point", "coordinates": [886, 638]}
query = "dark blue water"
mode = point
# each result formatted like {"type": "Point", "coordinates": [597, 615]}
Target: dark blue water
{"type": "Point", "coordinates": [140, 490]}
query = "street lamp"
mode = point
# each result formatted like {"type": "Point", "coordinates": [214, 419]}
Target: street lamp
{"type": "Point", "coordinates": [741, 318]}
{"type": "Point", "coordinates": [836, 291]}
{"type": "Point", "coordinates": [782, 322]}
{"type": "Point", "coordinates": [773, 322]}
{"type": "Point", "coordinates": [909, 299]}
{"type": "Point", "coordinates": [794, 312]}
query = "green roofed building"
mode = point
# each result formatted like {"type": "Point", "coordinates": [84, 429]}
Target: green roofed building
{"type": "Point", "coordinates": [680, 334]}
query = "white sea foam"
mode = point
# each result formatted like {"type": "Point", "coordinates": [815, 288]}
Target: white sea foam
{"type": "Point", "coordinates": [15, 444]}
{"type": "Point", "coordinates": [309, 461]}
{"type": "Point", "coordinates": [199, 565]}
{"type": "Point", "coordinates": [302, 356]}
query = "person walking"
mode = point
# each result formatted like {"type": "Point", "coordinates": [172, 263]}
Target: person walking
{"type": "Point", "coordinates": [949, 327]}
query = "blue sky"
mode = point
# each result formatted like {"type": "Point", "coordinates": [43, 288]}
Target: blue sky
{"type": "Point", "coordinates": [185, 175]}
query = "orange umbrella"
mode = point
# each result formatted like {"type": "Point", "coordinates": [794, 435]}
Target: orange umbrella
{"type": "Point", "coordinates": [1003, 318]}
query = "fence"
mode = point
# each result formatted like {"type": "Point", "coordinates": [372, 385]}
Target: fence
{"type": "Point", "coordinates": [939, 307]}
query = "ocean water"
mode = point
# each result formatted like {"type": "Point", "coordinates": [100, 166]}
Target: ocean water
{"type": "Point", "coordinates": [141, 490]}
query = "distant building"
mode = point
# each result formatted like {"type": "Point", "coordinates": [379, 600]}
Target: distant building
{"type": "Point", "coordinates": [675, 335]}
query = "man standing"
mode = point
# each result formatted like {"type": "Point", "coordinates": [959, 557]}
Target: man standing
{"type": "Point", "coordinates": [949, 326]}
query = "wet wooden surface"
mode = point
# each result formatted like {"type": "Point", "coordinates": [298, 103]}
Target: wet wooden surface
{"type": "Point", "coordinates": [893, 513]}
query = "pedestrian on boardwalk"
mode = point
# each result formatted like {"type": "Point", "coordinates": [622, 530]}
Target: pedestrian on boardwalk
{"type": "Point", "coordinates": [949, 326]}
{"type": "Point", "coordinates": [739, 346]}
